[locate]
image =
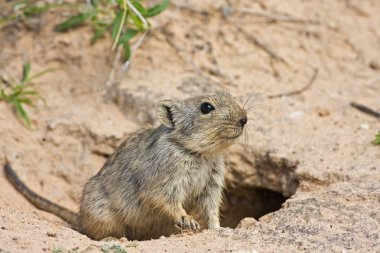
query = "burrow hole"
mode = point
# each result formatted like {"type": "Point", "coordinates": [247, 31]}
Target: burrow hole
{"type": "Point", "coordinates": [258, 183]}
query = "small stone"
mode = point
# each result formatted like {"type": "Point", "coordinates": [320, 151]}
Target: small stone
{"type": "Point", "coordinates": [296, 115]}
{"type": "Point", "coordinates": [248, 223]}
{"type": "Point", "coordinates": [123, 239]}
{"type": "Point", "coordinates": [51, 234]}
{"type": "Point", "coordinates": [375, 65]}
{"type": "Point", "coordinates": [322, 112]}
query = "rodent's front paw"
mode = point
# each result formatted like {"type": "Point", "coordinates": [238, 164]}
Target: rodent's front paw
{"type": "Point", "coordinates": [186, 222]}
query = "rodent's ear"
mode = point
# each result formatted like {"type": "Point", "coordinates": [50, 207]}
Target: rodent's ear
{"type": "Point", "coordinates": [165, 112]}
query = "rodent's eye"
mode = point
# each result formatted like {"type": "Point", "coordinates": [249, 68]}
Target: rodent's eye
{"type": "Point", "coordinates": [206, 108]}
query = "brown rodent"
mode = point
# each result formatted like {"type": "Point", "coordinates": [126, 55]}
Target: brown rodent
{"type": "Point", "coordinates": [154, 179]}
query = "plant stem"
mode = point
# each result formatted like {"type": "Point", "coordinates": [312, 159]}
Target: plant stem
{"type": "Point", "coordinates": [130, 5]}
{"type": "Point", "coordinates": [121, 26]}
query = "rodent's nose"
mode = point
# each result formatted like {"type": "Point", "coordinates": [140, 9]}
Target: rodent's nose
{"type": "Point", "coordinates": [243, 121]}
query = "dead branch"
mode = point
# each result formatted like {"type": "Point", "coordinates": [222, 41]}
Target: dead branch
{"type": "Point", "coordinates": [365, 109]}
{"type": "Point", "coordinates": [296, 92]}
{"type": "Point", "coordinates": [135, 46]}
{"type": "Point", "coordinates": [111, 77]}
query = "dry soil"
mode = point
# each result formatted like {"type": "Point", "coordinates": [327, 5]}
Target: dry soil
{"type": "Point", "coordinates": [304, 61]}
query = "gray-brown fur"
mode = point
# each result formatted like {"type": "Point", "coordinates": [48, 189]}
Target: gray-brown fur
{"type": "Point", "coordinates": [157, 176]}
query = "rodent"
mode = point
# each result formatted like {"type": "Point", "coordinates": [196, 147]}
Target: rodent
{"type": "Point", "coordinates": [149, 185]}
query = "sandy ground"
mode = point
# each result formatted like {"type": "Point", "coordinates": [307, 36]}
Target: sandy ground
{"type": "Point", "coordinates": [311, 146]}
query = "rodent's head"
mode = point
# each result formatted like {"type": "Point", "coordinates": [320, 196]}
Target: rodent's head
{"type": "Point", "coordinates": [204, 124]}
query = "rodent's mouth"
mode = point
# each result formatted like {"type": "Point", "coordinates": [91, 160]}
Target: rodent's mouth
{"type": "Point", "coordinates": [232, 132]}
{"type": "Point", "coordinates": [233, 137]}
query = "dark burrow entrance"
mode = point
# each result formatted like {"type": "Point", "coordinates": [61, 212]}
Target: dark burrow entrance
{"type": "Point", "coordinates": [250, 202]}
{"type": "Point", "coordinates": [258, 183]}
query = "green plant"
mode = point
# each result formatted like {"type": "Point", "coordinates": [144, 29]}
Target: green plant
{"type": "Point", "coordinates": [63, 250]}
{"type": "Point", "coordinates": [113, 249]}
{"type": "Point", "coordinates": [123, 19]}
{"type": "Point", "coordinates": [21, 93]}
{"type": "Point", "coordinates": [58, 250]}
{"type": "Point", "coordinates": [27, 8]}
{"type": "Point", "coordinates": [376, 141]}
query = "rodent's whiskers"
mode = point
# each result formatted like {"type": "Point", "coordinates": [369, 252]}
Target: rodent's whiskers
{"type": "Point", "coordinates": [243, 139]}
{"type": "Point", "coordinates": [245, 132]}
{"type": "Point", "coordinates": [261, 107]}
{"type": "Point", "coordinates": [253, 95]}
{"type": "Point", "coordinates": [248, 131]}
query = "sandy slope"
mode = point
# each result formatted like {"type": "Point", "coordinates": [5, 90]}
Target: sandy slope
{"type": "Point", "coordinates": [272, 47]}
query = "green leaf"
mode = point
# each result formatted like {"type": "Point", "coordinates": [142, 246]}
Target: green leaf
{"type": "Point", "coordinates": [137, 21]}
{"type": "Point", "coordinates": [25, 71]}
{"type": "Point", "coordinates": [31, 92]}
{"type": "Point", "coordinates": [376, 141]}
{"type": "Point", "coordinates": [20, 87]}
{"type": "Point", "coordinates": [127, 51]}
{"type": "Point", "coordinates": [41, 73]}
{"type": "Point", "coordinates": [15, 94]}
{"type": "Point", "coordinates": [95, 3]}
{"type": "Point", "coordinates": [27, 101]}
{"type": "Point", "coordinates": [72, 22]}
{"type": "Point", "coordinates": [58, 250]}
{"type": "Point", "coordinates": [157, 9]}
{"type": "Point", "coordinates": [32, 10]}
{"type": "Point", "coordinates": [20, 110]}
{"type": "Point", "coordinates": [116, 24]}
{"type": "Point", "coordinates": [3, 96]}
{"type": "Point", "coordinates": [22, 93]}
{"type": "Point", "coordinates": [119, 2]}
{"type": "Point", "coordinates": [98, 33]}
{"type": "Point", "coordinates": [105, 248]}
{"type": "Point", "coordinates": [17, 90]}
{"type": "Point", "coordinates": [139, 7]}
{"type": "Point", "coordinates": [128, 35]}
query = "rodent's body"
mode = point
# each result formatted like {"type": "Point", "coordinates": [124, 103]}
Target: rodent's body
{"type": "Point", "coordinates": [158, 175]}
{"type": "Point", "coordinates": [155, 190]}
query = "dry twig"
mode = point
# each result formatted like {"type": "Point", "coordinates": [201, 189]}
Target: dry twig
{"type": "Point", "coordinates": [111, 78]}
{"type": "Point", "coordinates": [296, 92]}
{"type": "Point", "coordinates": [135, 46]}
{"type": "Point", "coordinates": [365, 109]}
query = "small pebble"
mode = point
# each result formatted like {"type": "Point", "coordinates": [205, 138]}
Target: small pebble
{"type": "Point", "coordinates": [375, 65]}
